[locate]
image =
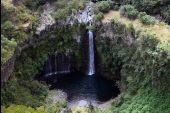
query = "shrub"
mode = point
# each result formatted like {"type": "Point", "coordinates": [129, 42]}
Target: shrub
{"type": "Point", "coordinates": [102, 6]}
{"type": "Point", "coordinates": [60, 14]}
{"type": "Point", "coordinates": [99, 16]}
{"type": "Point", "coordinates": [95, 9]}
{"type": "Point", "coordinates": [60, 4]}
{"type": "Point", "coordinates": [82, 5]}
{"type": "Point", "coordinates": [7, 48]}
{"type": "Point", "coordinates": [7, 25]}
{"type": "Point", "coordinates": [34, 4]}
{"type": "Point", "coordinates": [166, 13]}
{"type": "Point", "coordinates": [147, 19]}
{"type": "Point", "coordinates": [145, 5]}
{"type": "Point", "coordinates": [128, 11]}
{"type": "Point", "coordinates": [13, 108]}
{"type": "Point", "coordinates": [30, 93]}
{"type": "Point", "coordinates": [8, 8]}
{"type": "Point", "coordinates": [72, 5]}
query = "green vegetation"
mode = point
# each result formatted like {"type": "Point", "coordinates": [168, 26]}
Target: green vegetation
{"type": "Point", "coordinates": [128, 11]}
{"type": "Point", "coordinates": [23, 92]}
{"type": "Point", "coordinates": [33, 4]}
{"type": "Point", "coordinates": [17, 24]}
{"type": "Point", "coordinates": [138, 53]}
{"type": "Point", "coordinates": [21, 89]}
{"type": "Point", "coordinates": [99, 16]}
{"type": "Point", "coordinates": [152, 7]}
{"type": "Point", "coordinates": [51, 105]}
{"type": "Point", "coordinates": [7, 48]}
{"type": "Point", "coordinates": [60, 14]}
{"type": "Point", "coordinates": [147, 19]}
{"type": "Point", "coordinates": [146, 101]}
{"type": "Point", "coordinates": [144, 68]}
{"type": "Point", "coordinates": [144, 5]}
{"type": "Point", "coordinates": [65, 8]}
{"type": "Point", "coordinates": [102, 6]}
{"type": "Point", "coordinates": [165, 12]}
{"type": "Point", "coordinates": [22, 109]}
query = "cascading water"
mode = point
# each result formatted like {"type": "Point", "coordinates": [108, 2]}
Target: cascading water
{"type": "Point", "coordinates": [58, 64]}
{"type": "Point", "coordinates": [91, 67]}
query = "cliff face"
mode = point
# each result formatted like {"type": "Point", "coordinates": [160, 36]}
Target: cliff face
{"type": "Point", "coordinates": [108, 38]}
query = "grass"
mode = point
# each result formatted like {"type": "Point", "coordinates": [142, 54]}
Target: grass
{"type": "Point", "coordinates": [160, 30]}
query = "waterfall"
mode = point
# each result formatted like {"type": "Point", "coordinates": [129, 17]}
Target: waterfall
{"type": "Point", "coordinates": [91, 67]}
{"type": "Point", "coordinates": [48, 68]}
{"type": "Point", "coordinates": [58, 63]}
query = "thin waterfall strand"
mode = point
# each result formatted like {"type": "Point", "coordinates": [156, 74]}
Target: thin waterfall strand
{"type": "Point", "coordinates": [91, 67]}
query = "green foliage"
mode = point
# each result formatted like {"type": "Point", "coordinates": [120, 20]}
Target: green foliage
{"type": "Point", "coordinates": [7, 25]}
{"type": "Point", "coordinates": [65, 8]}
{"type": "Point", "coordinates": [22, 109]}
{"type": "Point", "coordinates": [152, 7]}
{"type": "Point", "coordinates": [7, 48]}
{"type": "Point", "coordinates": [146, 101]}
{"type": "Point", "coordinates": [55, 101]}
{"type": "Point", "coordinates": [144, 69]}
{"type": "Point", "coordinates": [7, 9]}
{"type": "Point", "coordinates": [147, 19]}
{"type": "Point", "coordinates": [60, 14]}
{"type": "Point", "coordinates": [13, 20]}
{"type": "Point", "coordinates": [166, 13]}
{"type": "Point", "coordinates": [128, 11]}
{"type": "Point", "coordinates": [144, 5]}
{"type": "Point", "coordinates": [30, 93]}
{"type": "Point", "coordinates": [82, 5]}
{"type": "Point", "coordinates": [99, 16]}
{"type": "Point", "coordinates": [102, 6]}
{"type": "Point", "coordinates": [24, 90]}
{"type": "Point", "coordinates": [33, 4]}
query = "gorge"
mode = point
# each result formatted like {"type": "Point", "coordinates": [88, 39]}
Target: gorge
{"type": "Point", "coordinates": [77, 56]}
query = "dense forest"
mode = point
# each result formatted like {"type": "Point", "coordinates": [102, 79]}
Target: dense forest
{"type": "Point", "coordinates": [57, 55]}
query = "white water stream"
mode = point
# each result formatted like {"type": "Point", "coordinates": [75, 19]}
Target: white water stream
{"type": "Point", "coordinates": [91, 67]}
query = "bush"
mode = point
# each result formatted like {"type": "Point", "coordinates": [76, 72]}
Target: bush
{"type": "Point", "coordinates": [22, 109]}
{"type": "Point", "coordinates": [34, 4]}
{"type": "Point", "coordinates": [7, 25]}
{"type": "Point", "coordinates": [82, 5]}
{"type": "Point", "coordinates": [166, 13]}
{"type": "Point", "coordinates": [145, 5]}
{"type": "Point", "coordinates": [8, 8]}
{"type": "Point", "coordinates": [99, 16]}
{"type": "Point", "coordinates": [29, 93]}
{"type": "Point", "coordinates": [102, 6]}
{"type": "Point", "coordinates": [147, 19]}
{"type": "Point", "coordinates": [128, 11]}
{"type": "Point", "coordinates": [60, 14]}
{"type": "Point", "coordinates": [7, 48]}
